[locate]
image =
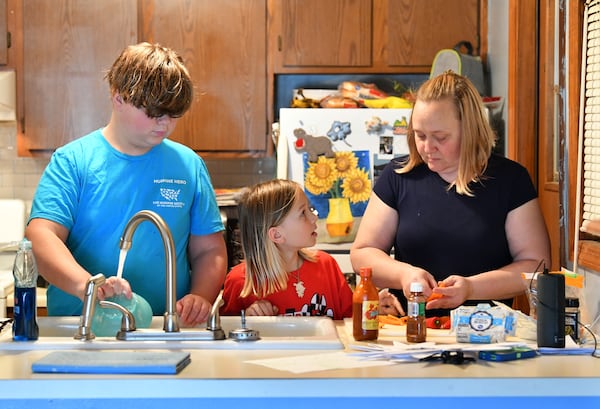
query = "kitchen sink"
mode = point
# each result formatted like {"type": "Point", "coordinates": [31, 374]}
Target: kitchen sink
{"type": "Point", "coordinates": [275, 333]}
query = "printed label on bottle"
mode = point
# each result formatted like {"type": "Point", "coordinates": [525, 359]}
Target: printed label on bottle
{"type": "Point", "coordinates": [370, 313]}
{"type": "Point", "coordinates": [415, 309]}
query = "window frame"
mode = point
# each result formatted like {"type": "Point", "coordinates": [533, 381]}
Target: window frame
{"type": "Point", "coordinates": [588, 246]}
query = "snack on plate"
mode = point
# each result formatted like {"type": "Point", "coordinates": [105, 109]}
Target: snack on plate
{"type": "Point", "coordinates": [389, 102]}
{"type": "Point", "coordinates": [338, 101]}
{"type": "Point", "coordinates": [482, 324]}
{"type": "Point", "coordinates": [360, 90]}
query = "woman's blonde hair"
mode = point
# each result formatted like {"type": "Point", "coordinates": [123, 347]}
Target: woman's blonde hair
{"type": "Point", "coordinates": [263, 206]}
{"type": "Point", "coordinates": [477, 137]}
{"type": "Point", "coordinates": [153, 78]}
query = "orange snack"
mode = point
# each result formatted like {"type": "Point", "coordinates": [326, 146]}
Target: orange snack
{"type": "Point", "coordinates": [392, 320]}
{"type": "Point", "coordinates": [436, 296]}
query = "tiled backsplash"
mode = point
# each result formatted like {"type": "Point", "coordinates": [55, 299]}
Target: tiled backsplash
{"type": "Point", "coordinates": [20, 176]}
{"type": "Point", "coordinates": [233, 173]}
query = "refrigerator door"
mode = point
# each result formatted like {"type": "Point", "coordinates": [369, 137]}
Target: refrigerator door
{"type": "Point", "coordinates": [336, 154]}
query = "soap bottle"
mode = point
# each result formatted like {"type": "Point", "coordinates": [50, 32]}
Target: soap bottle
{"type": "Point", "coordinates": [365, 308]}
{"type": "Point", "coordinates": [416, 326]}
{"type": "Point", "coordinates": [25, 274]}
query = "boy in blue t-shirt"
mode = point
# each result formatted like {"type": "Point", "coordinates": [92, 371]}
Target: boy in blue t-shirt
{"type": "Point", "coordinates": [95, 184]}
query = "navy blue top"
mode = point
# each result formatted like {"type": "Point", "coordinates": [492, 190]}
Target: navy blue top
{"type": "Point", "coordinates": [446, 233]}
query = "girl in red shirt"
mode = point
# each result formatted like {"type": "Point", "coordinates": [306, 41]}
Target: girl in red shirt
{"type": "Point", "coordinates": [280, 276]}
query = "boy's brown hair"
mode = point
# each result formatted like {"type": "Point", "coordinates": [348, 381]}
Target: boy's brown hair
{"type": "Point", "coordinates": [153, 78]}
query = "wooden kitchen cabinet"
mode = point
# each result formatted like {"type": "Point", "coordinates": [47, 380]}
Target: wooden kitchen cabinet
{"type": "Point", "coordinates": [370, 36]}
{"type": "Point", "coordinates": [223, 44]}
{"type": "Point", "coordinates": [324, 33]}
{"type": "Point", "coordinates": [3, 33]}
{"type": "Point", "coordinates": [67, 46]}
{"type": "Point", "coordinates": [234, 50]}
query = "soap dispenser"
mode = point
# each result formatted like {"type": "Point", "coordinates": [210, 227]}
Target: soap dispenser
{"type": "Point", "coordinates": [25, 273]}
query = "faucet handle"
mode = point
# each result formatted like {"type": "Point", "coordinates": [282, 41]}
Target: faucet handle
{"type": "Point", "coordinates": [84, 331]}
{"type": "Point", "coordinates": [127, 320]}
{"type": "Point", "coordinates": [214, 320]}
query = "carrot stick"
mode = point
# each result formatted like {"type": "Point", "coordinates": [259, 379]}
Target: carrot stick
{"type": "Point", "coordinates": [392, 320]}
{"type": "Point", "coordinates": [436, 296]}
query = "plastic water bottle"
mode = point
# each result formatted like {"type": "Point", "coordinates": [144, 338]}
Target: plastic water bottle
{"type": "Point", "coordinates": [25, 273]}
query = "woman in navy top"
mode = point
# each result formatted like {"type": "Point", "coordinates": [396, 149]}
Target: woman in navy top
{"type": "Point", "coordinates": [462, 221]}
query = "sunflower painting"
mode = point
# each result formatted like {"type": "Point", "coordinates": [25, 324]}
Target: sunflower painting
{"type": "Point", "coordinates": [336, 155]}
{"type": "Point", "coordinates": [338, 188]}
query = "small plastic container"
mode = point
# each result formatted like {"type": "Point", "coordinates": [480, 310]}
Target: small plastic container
{"type": "Point", "coordinates": [572, 318]}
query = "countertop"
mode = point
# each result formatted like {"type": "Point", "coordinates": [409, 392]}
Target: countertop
{"type": "Point", "coordinates": [227, 377]}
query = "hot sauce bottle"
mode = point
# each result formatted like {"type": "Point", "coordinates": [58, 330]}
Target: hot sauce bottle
{"type": "Point", "coordinates": [365, 308]}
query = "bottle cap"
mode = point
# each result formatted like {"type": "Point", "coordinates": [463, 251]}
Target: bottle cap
{"type": "Point", "coordinates": [25, 244]}
{"type": "Point", "coordinates": [572, 302]}
{"type": "Point", "coordinates": [416, 287]}
{"type": "Point", "coordinates": [366, 271]}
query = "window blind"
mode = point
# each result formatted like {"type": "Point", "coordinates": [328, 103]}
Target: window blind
{"type": "Point", "coordinates": [590, 192]}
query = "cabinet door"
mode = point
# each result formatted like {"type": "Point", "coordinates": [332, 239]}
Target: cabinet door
{"type": "Point", "coordinates": [369, 36]}
{"type": "Point", "coordinates": [223, 44]}
{"type": "Point", "coordinates": [67, 47]}
{"type": "Point", "coordinates": [418, 29]}
{"type": "Point", "coordinates": [325, 33]}
{"type": "Point", "coordinates": [3, 34]}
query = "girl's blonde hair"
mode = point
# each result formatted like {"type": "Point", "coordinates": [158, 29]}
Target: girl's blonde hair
{"type": "Point", "coordinates": [153, 78]}
{"type": "Point", "coordinates": [263, 206]}
{"type": "Point", "coordinates": [477, 137]}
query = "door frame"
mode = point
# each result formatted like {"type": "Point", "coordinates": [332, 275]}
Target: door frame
{"type": "Point", "coordinates": [530, 138]}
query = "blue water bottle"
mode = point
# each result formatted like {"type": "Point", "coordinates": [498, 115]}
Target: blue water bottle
{"type": "Point", "coordinates": [25, 273]}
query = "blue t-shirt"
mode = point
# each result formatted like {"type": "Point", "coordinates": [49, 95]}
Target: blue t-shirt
{"type": "Point", "coordinates": [446, 233]}
{"type": "Point", "coordinates": [93, 190]}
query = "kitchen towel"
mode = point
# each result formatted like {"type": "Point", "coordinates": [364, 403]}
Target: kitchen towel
{"type": "Point", "coordinates": [112, 362]}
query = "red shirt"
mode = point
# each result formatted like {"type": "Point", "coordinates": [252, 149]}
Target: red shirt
{"type": "Point", "coordinates": [326, 292]}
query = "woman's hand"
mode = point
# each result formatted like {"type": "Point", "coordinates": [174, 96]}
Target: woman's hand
{"type": "Point", "coordinates": [453, 291]}
{"type": "Point", "coordinates": [114, 286]}
{"type": "Point", "coordinates": [262, 307]}
{"type": "Point", "coordinates": [389, 304]}
{"type": "Point", "coordinates": [417, 275]}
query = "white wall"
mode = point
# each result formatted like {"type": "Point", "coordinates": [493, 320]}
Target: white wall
{"type": "Point", "coordinates": [497, 58]}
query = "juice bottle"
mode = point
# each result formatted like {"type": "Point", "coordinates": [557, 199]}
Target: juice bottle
{"type": "Point", "coordinates": [365, 308]}
{"type": "Point", "coordinates": [416, 328]}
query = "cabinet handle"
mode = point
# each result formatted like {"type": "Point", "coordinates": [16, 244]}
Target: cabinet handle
{"type": "Point", "coordinates": [279, 45]}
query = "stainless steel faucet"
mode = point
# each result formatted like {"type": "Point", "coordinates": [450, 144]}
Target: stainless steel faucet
{"type": "Point", "coordinates": [84, 332]}
{"type": "Point", "coordinates": [171, 319]}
